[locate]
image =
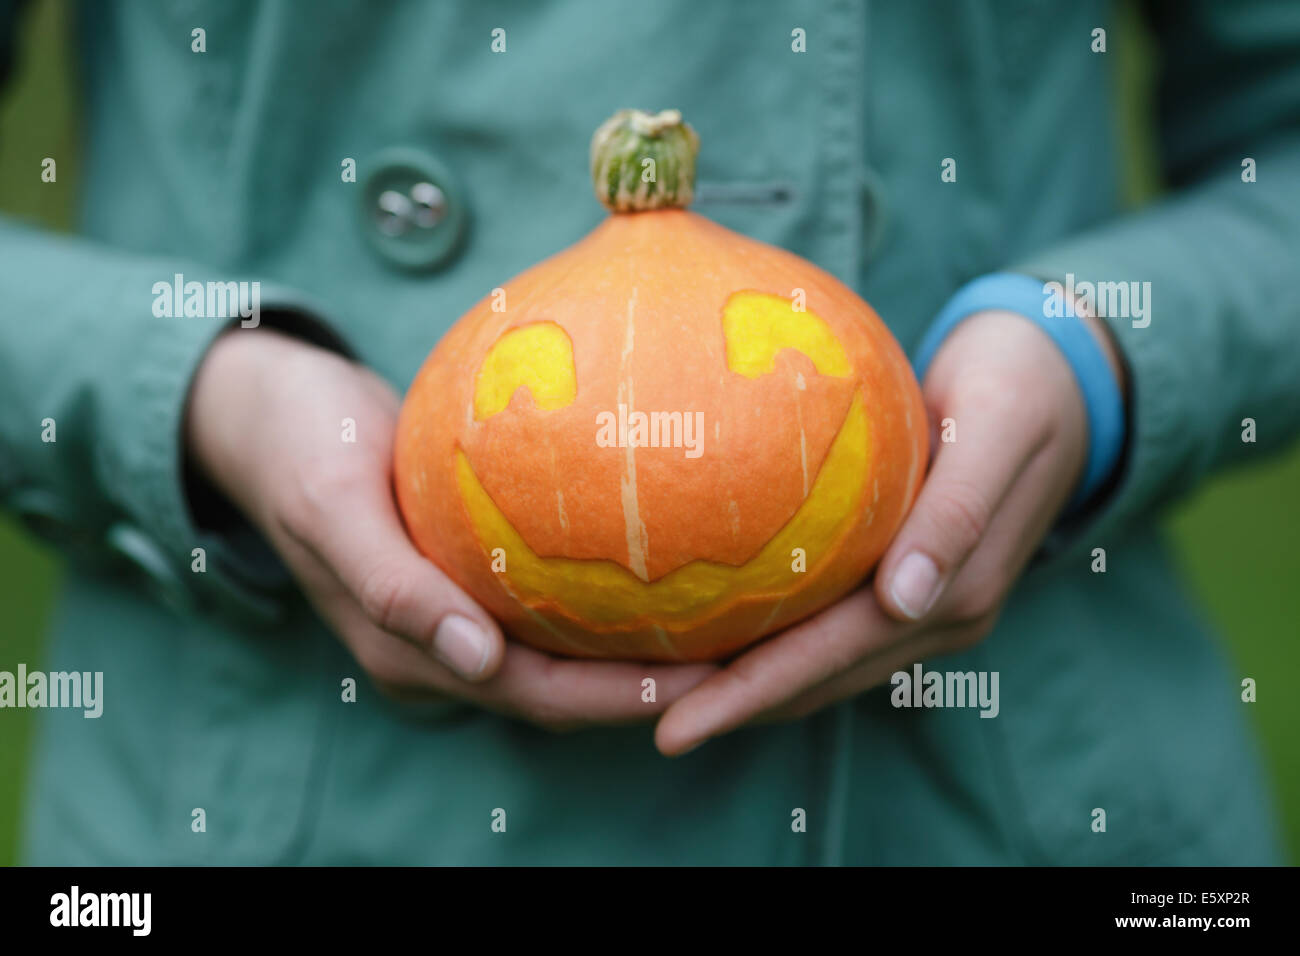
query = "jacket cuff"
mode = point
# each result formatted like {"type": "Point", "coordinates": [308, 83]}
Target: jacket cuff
{"type": "Point", "coordinates": [1052, 313]}
{"type": "Point", "coordinates": [224, 566]}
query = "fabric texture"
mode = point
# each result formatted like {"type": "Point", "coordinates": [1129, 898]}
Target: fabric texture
{"type": "Point", "coordinates": [226, 165]}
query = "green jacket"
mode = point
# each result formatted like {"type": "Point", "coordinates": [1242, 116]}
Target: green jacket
{"type": "Point", "coordinates": [223, 693]}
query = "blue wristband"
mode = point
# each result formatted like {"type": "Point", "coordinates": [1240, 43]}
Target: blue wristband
{"type": "Point", "coordinates": [1050, 312]}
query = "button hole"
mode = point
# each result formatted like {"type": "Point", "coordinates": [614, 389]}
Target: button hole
{"type": "Point", "coordinates": [752, 194]}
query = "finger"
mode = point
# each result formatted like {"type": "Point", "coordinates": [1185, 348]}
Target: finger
{"type": "Point", "coordinates": [970, 603]}
{"type": "Point", "coordinates": [565, 694]}
{"type": "Point", "coordinates": [1027, 514]}
{"type": "Point", "coordinates": [961, 495]}
{"type": "Point", "coordinates": [872, 671]}
{"type": "Point", "coordinates": [354, 530]}
{"type": "Point", "coordinates": [399, 667]}
{"type": "Point", "coordinates": [551, 692]}
{"type": "Point", "coordinates": [972, 600]}
{"type": "Point", "coordinates": [778, 670]}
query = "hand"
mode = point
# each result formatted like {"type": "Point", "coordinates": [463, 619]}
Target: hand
{"type": "Point", "coordinates": [265, 426]}
{"type": "Point", "coordinates": [988, 501]}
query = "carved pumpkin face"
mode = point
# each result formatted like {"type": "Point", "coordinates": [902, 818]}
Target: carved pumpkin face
{"type": "Point", "coordinates": [756, 458]}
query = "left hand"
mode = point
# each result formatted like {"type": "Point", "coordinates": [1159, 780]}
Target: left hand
{"type": "Point", "coordinates": [991, 496]}
{"type": "Point", "coordinates": [262, 427]}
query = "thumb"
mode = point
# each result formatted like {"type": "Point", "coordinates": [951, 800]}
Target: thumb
{"type": "Point", "coordinates": [965, 487]}
{"type": "Point", "coordinates": [362, 541]}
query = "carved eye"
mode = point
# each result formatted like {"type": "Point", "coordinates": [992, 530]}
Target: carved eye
{"type": "Point", "coordinates": [538, 357]}
{"type": "Point", "coordinates": [757, 326]}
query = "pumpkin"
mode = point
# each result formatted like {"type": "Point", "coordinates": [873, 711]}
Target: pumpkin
{"type": "Point", "coordinates": [666, 441]}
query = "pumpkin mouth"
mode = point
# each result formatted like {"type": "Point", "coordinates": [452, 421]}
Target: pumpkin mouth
{"type": "Point", "coordinates": [603, 595]}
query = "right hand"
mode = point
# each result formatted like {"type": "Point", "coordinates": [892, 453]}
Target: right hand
{"type": "Point", "coordinates": [264, 426]}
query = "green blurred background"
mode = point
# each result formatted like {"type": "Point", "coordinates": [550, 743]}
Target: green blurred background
{"type": "Point", "coordinates": [1237, 538]}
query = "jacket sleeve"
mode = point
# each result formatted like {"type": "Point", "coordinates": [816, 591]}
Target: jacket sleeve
{"type": "Point", "coordinates": [93, 387]}
{"type": "Point", "coordinates": [1221, 254]}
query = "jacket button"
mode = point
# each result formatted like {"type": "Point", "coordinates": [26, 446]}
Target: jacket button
{"type": "Point", "coordinates": [154, 568]}
{"type": "Point", "coordinates": [413, 212]}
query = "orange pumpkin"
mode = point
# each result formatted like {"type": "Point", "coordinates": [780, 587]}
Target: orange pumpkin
{"type": "Point", "coordinates": [667, 440]}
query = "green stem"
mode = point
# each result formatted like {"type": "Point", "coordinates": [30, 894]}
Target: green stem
{"type": "Point", "coordinates": [641, 161]}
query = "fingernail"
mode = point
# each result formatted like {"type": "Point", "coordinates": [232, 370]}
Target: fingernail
{"type": "Point", "coordinates": [916, 585]}
{"type": "Point", "coordinates": [462, 645]}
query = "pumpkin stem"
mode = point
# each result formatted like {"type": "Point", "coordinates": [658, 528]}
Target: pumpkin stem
{"type": "Point", "coordinates": [641, 161]}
